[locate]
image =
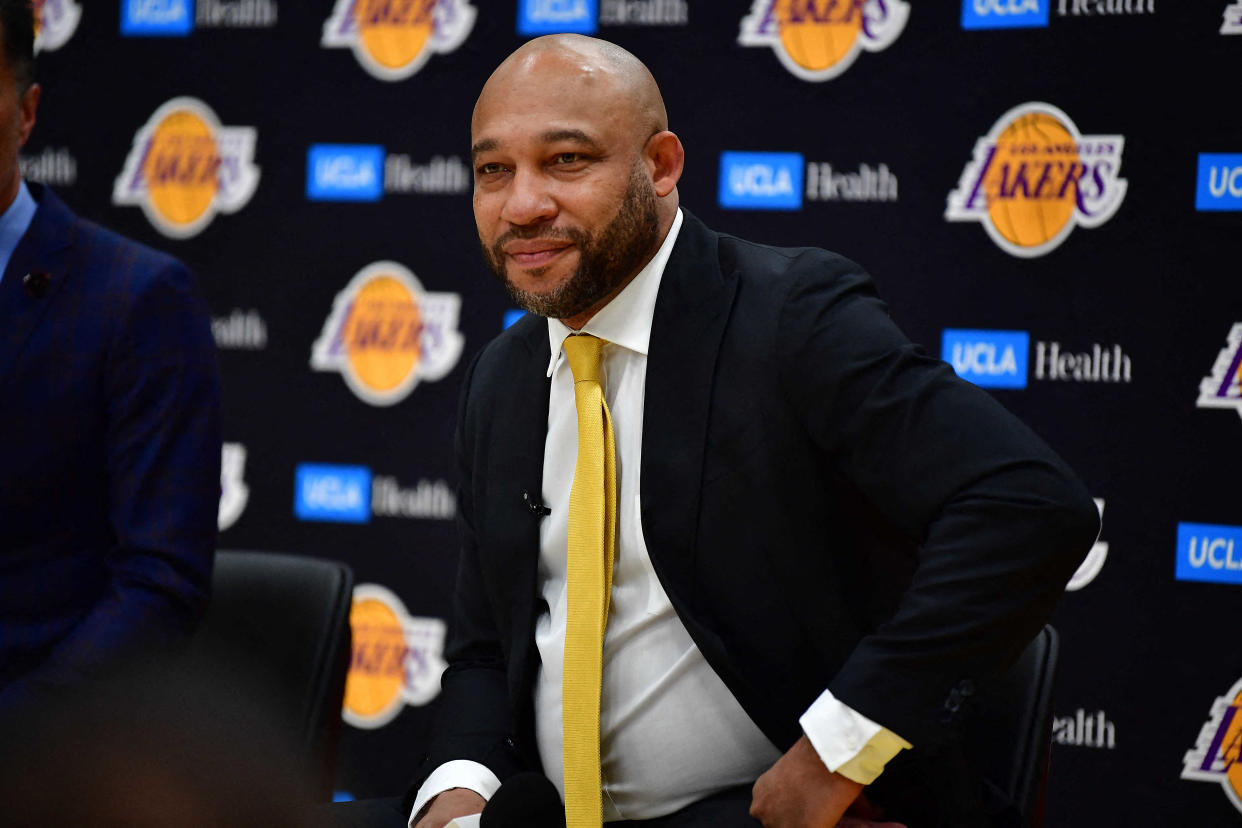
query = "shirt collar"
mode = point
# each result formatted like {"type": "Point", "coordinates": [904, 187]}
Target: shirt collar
{"type": "Point", "coordinates": [626, 320]}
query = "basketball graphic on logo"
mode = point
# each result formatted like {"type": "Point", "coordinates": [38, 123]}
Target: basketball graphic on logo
{"type": "Point", "coordinates": [393, 36]}
{"type": "Point", "coordinates": [376, 671]}
{"type": "Point", "coordinates": [1231, 750]}
{"type": "Point", "coordinates": [382, 334]}
{"type": "Point", "coordinates": [1020, 211]}
{"type": "Point", "coordinates": [815, 34]}
{"type": "Point", "coordinates": [182, 167]}
{"type": "Point", "coordinates": [38, 17]}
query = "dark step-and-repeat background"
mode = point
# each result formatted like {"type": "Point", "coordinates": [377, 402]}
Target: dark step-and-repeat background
{"type": "Point", "coordinates": [1048, 193]}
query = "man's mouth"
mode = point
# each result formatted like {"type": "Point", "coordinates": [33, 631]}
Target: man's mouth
{"type": "Point", "coordinates": [536, 252]}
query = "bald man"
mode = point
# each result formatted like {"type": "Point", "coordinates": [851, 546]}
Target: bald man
{"type": "Point", "coordinates": [814, 560]}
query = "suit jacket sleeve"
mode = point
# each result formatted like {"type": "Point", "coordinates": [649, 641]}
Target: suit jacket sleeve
{"type": "Point", "coordinates": [162, 470]}
{"type": "Point", "coordinates": [1000, 521]}
{"type": "Point", "coordinates": [474, 720]}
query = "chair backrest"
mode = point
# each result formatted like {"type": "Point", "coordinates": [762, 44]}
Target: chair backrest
{"type": "Point", "coordinates": [1010, 736]}
{"type": "Point", "coordinates": [280, 624]}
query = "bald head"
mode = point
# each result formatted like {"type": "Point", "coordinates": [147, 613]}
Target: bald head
{"type": "Point", "coordinates": [587, 70]}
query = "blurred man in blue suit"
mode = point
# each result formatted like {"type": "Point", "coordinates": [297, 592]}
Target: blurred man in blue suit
{"type": "Point", "coordinates": [109, 426]}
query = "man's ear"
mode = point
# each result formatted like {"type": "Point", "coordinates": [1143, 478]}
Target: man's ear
{"type": "Point", "coordinates": [28, 106]}
{"type": "Point", "coordinates": [666, 157]}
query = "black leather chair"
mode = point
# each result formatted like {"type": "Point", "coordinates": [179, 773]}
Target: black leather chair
{"type": "Point", "coordinates": [1009, 737]}
{"type": "Point", "coordinates": [277, 629]}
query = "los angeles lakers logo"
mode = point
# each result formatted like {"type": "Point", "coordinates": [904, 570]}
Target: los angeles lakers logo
{"type": "Point", "coordinates": [392, 39]}
{"type": "Point", "coordinates": [1217, 754]}
{"type": "Point", "coordinates": [55, 21]}
{"type": "Point", "coordinates": [385, 333]}
{"type": "Point", "coordinates": [185, 167]}
{"type": "Point", "coordinates": [1223, 387]}
{"type": "Point", "coordinates": [397, 659]}
{"type": "Point", "coordinates": [1034, 178]}
{"type": "Point", "coordinates": [817, 40]}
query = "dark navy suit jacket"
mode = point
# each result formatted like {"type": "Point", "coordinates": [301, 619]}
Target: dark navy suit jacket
{"type": "Point", "coordinates": [109, 451]}
{"type": "Point", "coordinates": [825, 505]}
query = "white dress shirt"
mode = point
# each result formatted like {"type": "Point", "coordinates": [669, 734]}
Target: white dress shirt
{"type": "Point", "coordinates": [671, 733]}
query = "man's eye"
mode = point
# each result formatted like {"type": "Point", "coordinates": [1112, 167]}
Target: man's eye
{"type": "Point", "coordinates": [568, 157]}
{"type": "Point", "coordinates": [491, 169]}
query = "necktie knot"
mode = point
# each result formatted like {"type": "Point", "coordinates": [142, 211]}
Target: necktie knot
{"type": "Point", "coordinates": [583, 352]}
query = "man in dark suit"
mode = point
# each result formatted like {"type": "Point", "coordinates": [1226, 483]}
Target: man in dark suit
{"type": "Point", "coordinates": [825, 538]}
{"type": "Point", "coordinates": [109, 427]}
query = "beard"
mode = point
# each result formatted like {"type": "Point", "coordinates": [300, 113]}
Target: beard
{"type": "Point", "coordinates": [606, 260]}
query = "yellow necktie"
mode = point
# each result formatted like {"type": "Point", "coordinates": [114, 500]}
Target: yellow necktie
{"type": "Point", "coordinates": [592, 533]}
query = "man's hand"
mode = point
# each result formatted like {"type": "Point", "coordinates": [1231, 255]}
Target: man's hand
{"type": "Point", "coordinates": [448, 805]}
{"type": "Point", "coordinates": [800, 792]}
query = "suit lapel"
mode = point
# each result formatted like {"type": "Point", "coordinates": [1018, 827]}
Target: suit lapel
{"type": "Point", "coordinates": [692, 309]}
{"type": "Point", "coordinates": [43, 250]}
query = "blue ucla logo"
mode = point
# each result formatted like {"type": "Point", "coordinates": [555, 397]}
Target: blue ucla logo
{"type": "Point", "coordinates": [340, 494]}
{"type": "Point", "coordinates": [1004, 14]}
{"type": "Point", "coordinates": [761, 180]}
{"type": "Point", "coordinates": [345, 172]}
{"type": "Point", "coordinates": [1219, 186]}
{"type": "Point", "coordinates": [540, 17]}
{"type": "Point", "coordinates": [157, 18]}
{"type": "Point", "coordinates": [991, 359]}
{"type": "Point", "coordinates": [1208, 552]}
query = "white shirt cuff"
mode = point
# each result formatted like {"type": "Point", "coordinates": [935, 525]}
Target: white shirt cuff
{"type": "Point", "coordinates": [840, 735]}
{"type": "Point", "coordinates": [459, 773]}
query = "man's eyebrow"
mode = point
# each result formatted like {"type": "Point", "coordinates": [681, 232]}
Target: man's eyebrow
{"type": "Point", "coordinates": [574, 136]}
{"type": "Point", "coordinates": [486, 145]}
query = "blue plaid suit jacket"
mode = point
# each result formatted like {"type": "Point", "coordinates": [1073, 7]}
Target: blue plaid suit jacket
{"type": "Point", "coordinates": [109, 451]}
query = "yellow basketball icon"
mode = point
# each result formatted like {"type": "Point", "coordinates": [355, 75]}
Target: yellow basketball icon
{"type": "Point", "coordinates": [382, 334]}
{"type": "Point", "coordinates": [1022, 209]}
{"type": "Point", "coordinates": [376, 667]}
{"type": "Point", "coordinates": [182, 168]}
{"type": "Point", "coordinates": [818, 34]}
{"type": "Point", "coordinates": [394, 36]}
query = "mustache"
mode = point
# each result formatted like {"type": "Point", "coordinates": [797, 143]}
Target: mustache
{"type": "Point", "coordinates": [571, 234]}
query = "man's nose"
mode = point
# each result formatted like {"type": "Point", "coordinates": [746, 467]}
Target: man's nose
{"type": "Point", "coordinates": [529, 200]}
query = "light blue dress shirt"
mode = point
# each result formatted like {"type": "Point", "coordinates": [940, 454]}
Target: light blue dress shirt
{"type": "Point", "coordinates": [14, 224]}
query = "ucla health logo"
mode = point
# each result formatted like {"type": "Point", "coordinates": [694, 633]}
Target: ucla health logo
{"type": "Point", "coordinates": [396, 659]}
{"type": "Point", "coordinates": [345, 172]}
{"type": "Point", "coordinates": [385, 333]}
{"type": "Point", "coordinates": [540, 17]}
{"type": "Point", "coordinates": [991, 359]}
{"type": "Point", "coordinates": [1004, 14]}
{"type": "Point", "coordinates": [1217, 754]}
{"type": "Point", "coordinates": [156, 18]}
{"type": "Point", "coordinates": [761, 180]}
{"type": "Point", "coordinates": [55, 21]}
{"type": "Point", "coordinates": [1232, 23]}
{"type": "Point", "coordinates": [1223, 387]}
{"type": "Point", "coordinates": [1209, 552]}
{"type": "Point", "coordinates": [331, 493]}
{"type": "Point", "coordinates": [185, 167]}
{"type": "Point", "coordinates": [1034, 178]}
{"type": "Point", "coordinates": [817, 40]}
{"type": "Point", "coordinates": [393, 40]}
{"type": "Point", "coordinates": [1219, 184]}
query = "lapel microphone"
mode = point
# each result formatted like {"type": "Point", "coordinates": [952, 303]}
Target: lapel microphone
{"type": "Point", "coordinates": [35, 284]}
{"type": "Point", "coordinates": [535, 507]}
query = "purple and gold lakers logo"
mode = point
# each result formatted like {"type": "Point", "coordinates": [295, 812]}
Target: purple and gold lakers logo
{"type": "Point", "coordinates": [1217, 754]}
{"type": "Point", "coordinates": [392, 39]}
{"type": "Point", "coordinates": [385, 333]}
{"type": "Point", "coordinates": [397, 659]}
{"type": "Point", "coordinates": [185, 167]}
{"type": "Point", "coordinates": [1034, 178]}
{"type": "Point", "coordinates": [817, 40]}
{"type": "Point", "coordinates": [55, 21]}
{"type": "Point", "coordinates": [1223, 387]}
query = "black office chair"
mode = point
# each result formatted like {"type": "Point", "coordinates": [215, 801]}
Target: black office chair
{"type": "Point", "coordinates": [278, 629]}
{"type": "Point", "coordinates": [1009, 737]}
